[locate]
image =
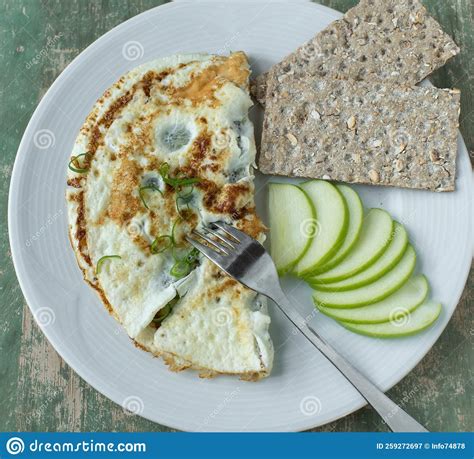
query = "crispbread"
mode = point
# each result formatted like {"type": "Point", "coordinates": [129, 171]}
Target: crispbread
{"type": "Point", "coordinates": [377, 40]}
{"type": "Point", "coordinates": [360, 132]}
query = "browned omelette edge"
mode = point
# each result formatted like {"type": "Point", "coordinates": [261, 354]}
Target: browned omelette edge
{"type": "Point", "coordinates": [233, 68]}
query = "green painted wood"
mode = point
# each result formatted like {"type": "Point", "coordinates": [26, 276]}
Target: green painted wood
{"type": "Point", "coordinates": [38, 391]}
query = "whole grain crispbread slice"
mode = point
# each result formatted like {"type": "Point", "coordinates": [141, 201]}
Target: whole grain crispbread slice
{"type": "Point", "coordinates": [359, 132]}
{"type": "Point", "coordinates": [377, 40]}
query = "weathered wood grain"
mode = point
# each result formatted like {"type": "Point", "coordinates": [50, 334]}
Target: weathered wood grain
{"type": "Point", "coordinates": [38, 391]}
{"type": "Point", "coordinates": [54, 398]}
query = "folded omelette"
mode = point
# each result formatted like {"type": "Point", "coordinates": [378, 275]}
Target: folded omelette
{"type": "Point", "coordinates": [167, 149]}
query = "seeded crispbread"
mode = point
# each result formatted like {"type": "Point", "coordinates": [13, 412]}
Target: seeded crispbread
{"type": "Point", "coordinates": [377, 40]}
{"type": "Point", "coordinates": [359, 132]}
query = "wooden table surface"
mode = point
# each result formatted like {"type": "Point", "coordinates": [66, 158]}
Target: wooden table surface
{"type": "Point", "coordinates": [38, 391]}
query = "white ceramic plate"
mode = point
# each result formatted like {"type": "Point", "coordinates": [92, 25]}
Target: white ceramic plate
{"type": "Point", "coordinates": [304, 390]}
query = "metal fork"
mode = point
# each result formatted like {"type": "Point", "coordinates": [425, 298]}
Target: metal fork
{"type": "Point", "coordinates": [247, 261]}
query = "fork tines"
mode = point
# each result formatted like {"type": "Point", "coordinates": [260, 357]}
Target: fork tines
{"type": "Point", "coordinates": [220, 237]}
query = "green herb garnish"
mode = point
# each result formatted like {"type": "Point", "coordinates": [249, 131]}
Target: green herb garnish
{"type": "Point", "coordinates": [164, 170]}
{"type": "Point", "coordinates": [179, 209]}
{"type": "Point", "coordinates": [165, 241]}
{"type": "Point", "coordinates": [179, 219]}
{"type": "Point", "coordinates": [180, 269]}
{"type": "Point", "coordinates": [148, 187]}
{"type": "Point", "coordinates": [182, 266]}
{"type": "Point", "coordinates": [192, 256]}
{"type": "Point", "coordinates": [184, 197]}
{"type": "Point", "coordinates": [178, 181]}
{"type": "Point", "coordinates": [74, 162]}
{"type": "Point", "coordinates": [163, 313]}
{"type": "Point", "coordinates": [161, 243]}
{"type": "Point", "coordinates": [101, 261]}
{"type": "Point", "coordinates": [185, 265]}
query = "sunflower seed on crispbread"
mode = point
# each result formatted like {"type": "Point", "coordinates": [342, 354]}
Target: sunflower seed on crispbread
{"type": "Point", "coordinates": [366, 133]}
{"type": "Point", "coordinates": [377, 40]}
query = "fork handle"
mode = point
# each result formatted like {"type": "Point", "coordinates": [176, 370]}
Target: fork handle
{"type": "Point", "coordinates": [396, 419]}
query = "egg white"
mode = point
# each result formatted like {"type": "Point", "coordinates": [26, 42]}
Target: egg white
{"type": "Point", "coordinates": [217, 325]}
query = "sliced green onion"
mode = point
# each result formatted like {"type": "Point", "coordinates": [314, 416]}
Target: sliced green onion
{"type": "Point", "coordinates": [180, 269]}
{"type": "Point", "coordinates": [161, 243]}
{"type": "Point", "coordinates": [175, 181]}
{"type": "Point", "coordinates": [186, 194]}
{"type": "Point", "coordinates": [179, 209]}
{"type": "Point", "coordinates": [179, 219]}
{"type": "Point", "coordinates": [192, 256]}
{"type": "Point", "coordinates": [166, 241]}
{"type": "Point", "coordinates": [164, 170]}
{"type": "Point", "coordinates": [185, 198]}
{"type": "Point", "coordinates": [101, 261]}
{"type": "Point", "coordinates": [163, 313]}
{"type": "Point", "coordinates": [183, 181]}
{"type": "Point", "coordinates": [147, 187]}
{"type": "Point", "coordinates": [183, 266]}
{"type": "Point", "coordinates": [74, 160]}
{"type": "Point", "coordinates": [175, 254]}
{"type": "Point", "coordinates": [186, 181]}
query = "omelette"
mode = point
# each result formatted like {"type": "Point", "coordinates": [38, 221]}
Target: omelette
{"type": "Point", "coordinates": [167, 149]}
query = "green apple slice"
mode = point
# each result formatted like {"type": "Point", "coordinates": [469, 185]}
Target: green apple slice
{"type": "Point", "coordinates": [403, 301]}
{"type": "Point", "coordinates": [331, 225]}
{"type": "Point", "coordinates": [372, 293]}
{"type": "Point", "coordinates": [385, 263]}
{"type": "Point", "coordinates": [403, 325]}
{"type": "Point", "coordinates": [289, 208]}
{"type": "Point", "coordinates": [375, 235]}
{"type": "Point", "coordinates": [356, 215]}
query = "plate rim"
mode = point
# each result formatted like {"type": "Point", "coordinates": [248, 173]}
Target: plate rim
{"type": "Point", "coordinates": [15, 244]}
